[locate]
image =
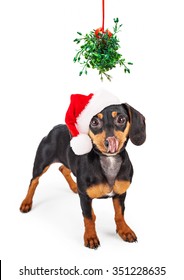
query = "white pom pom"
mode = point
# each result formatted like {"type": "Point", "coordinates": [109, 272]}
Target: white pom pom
{"type": "Point", "coordinates": [81, 144]}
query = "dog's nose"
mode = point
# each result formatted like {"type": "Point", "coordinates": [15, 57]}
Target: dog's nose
{"type": "Point", "coordinates": [106, 144]}
{"type": "Point", "coordinates": [111, 143]}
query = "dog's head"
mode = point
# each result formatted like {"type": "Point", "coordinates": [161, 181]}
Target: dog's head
{"type": "Point", "coordinates": [111, 128]}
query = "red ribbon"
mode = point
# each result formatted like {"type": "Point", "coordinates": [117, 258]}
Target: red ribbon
{"type": "Point", "coordinates": [103, 14]}
{"type": "Point", "coordinates": [101, 29]}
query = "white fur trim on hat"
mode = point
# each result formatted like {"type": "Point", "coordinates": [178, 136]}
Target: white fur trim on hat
{"type": "Point", "coordinates": [96, 104]}
{"type": "Point", "coordinates": [81, 144]}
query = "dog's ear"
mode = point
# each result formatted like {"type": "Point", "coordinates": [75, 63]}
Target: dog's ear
{"type": "Point", "coordinates": [137, 131]}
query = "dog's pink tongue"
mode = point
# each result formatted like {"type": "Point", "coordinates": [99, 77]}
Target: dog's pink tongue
{"type": "Point", "coordinates": [112, 145]}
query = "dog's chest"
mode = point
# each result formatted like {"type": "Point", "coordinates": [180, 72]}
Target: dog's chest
{"type": "Point", "coordinates": [110, 166]}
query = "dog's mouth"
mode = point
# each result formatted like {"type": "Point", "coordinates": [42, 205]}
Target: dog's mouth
{"type": "Point", "coordinates": [112, 145]}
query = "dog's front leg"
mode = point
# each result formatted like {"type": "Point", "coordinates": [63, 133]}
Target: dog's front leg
{"type": "Point", "coordinates": [124, 231]}
{"type": "Point", "coordinates": [90, 237]}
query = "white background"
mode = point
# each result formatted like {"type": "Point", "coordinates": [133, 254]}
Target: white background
{"type": "Point", "coordinates": [37, 76]}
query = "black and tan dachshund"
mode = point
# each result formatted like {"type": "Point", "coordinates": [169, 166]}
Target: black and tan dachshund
{"type": "Point", "coordinates": [106, 171]}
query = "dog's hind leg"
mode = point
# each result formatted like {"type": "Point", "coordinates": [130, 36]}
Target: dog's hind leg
{"type": "Point", "coordinates": [45, 156]}
{"type": "Point", "coordinates": [67, 174]}
{"type": "Point", "coordinates": [27, 202]}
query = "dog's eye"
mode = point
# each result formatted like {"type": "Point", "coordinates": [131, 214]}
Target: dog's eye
{"type": "Point", "coordinates": [120, 120]}
{"type": "Point", "coordinates": [95, 122]}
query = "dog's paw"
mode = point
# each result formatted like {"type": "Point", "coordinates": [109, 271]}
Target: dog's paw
{"type": "Point", "coordinates": [91, 242]}
{"type": "Point", "coordinates": [127, 234]}
{"type": "Point", "coordinates": [25, 206]}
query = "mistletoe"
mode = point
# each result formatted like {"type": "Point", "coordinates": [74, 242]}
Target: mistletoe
{"type": "Point", "coordinates": [99, 50]}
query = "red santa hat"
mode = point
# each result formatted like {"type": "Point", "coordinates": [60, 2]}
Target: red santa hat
{"type": "Point", "coordinates": [79, 114]}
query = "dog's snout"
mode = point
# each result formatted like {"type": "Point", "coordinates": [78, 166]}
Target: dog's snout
{"type": "Point", "coordinates": [111, 144]}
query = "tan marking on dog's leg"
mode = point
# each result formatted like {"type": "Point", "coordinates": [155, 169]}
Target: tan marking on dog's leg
{"type": "Point", "coordinates": [99, 190]}
{"type": "Point", "coordinates": [27, 202]}
{"type": "Point", "coordinates": [122, 228]}
{"type": "Point", "coordinates": [121, 186]}
{"type": "Point", "coordinates": [67, 174]}
{"type": "Point", "coordinates": [90, 237]}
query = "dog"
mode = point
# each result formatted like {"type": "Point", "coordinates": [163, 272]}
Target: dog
{"type": "Point", "coordinates": [106, 171]}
